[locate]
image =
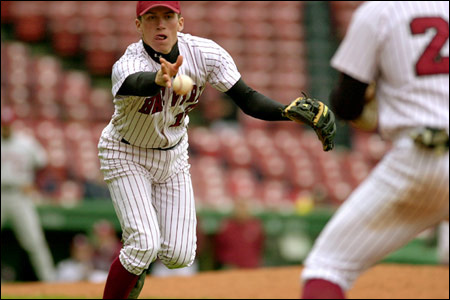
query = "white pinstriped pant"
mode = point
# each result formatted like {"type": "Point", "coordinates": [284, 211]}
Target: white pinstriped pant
{"type": "Point", "coordinates": [154, 202]}
{"type": "Point", "coordinates": [20, 210]}
{"type": "Point", "coordinates": [406, 193]}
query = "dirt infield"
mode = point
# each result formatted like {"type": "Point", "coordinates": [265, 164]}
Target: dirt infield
{"type": "Point", "coordinates": [381, 282]}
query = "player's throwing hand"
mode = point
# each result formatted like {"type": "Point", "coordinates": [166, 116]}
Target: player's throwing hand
{"type": "Point", "coordinates": [167, 71]}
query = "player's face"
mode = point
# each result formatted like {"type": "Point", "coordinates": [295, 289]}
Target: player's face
{"type": "Point", "coordinates": [159, 28]}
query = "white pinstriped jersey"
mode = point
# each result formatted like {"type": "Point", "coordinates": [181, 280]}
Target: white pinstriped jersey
{"type": "Point", "coordinates": [161, 121]}
{"type": "Point", "coordinates": [411, 49]}
{"type": "Point", "coordinates": [21, 155]}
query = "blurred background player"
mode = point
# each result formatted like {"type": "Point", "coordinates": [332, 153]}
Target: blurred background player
{"type": "Point", "coordinates": [22, 156]}
{"type": "Point", "coordinates": [144, 149]}
{"type": "Point", "coordinates": [106, 245]}
{"type": "Point", "coordinates": [90, 256]}
{"type": "Point", "coordinates": [403, 46]}
{"type": "Point", "coordinates": [239, 243]}
{"type": "Point", "coordinates": [79, 266]}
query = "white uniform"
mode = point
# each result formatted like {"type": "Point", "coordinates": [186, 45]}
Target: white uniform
{"type": "Point", "coordinates": [144, 157]}
{"type": "Point", "coordinates": [403, 46]}
{"type": "Point", "coordinates": [21, 154]}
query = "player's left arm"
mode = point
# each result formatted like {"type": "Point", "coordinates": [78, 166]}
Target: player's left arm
{"type": "Point", "coordinates": [303, 110]}
{"type": "Point", "coordinates": [254, 103]}
{"type": "Point", "coordinates": [225, 77]}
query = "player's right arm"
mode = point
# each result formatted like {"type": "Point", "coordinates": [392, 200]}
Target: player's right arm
{"type": "Point", "coordinates": [356, 61]}
{"type": "Point", "coordinates": [140, 84]}
{"type": "Point", "coordinates": [354, 101]}
{"type": "Point", "coordinates": [150, 83]}
{"type": "Point", "coordinates": [347, 99]}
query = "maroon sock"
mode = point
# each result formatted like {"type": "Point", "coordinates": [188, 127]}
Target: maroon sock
{"type": "Point", "coordinates": [322, 289]}
{"type": "Point", "coordinates": [120, 282]}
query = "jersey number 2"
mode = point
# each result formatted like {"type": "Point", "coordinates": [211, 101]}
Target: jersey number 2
{"type": "Point", "coordinates": [431, 62]}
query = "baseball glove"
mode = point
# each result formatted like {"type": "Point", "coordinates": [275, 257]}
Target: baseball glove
{"type": "Point", "coordinates": [314, 113]}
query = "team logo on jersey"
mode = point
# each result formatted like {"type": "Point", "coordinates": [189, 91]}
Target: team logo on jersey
{"type": "Point", "coordinates": [153, 105]}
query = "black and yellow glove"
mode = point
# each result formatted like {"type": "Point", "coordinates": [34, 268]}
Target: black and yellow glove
{"type": "Point", "coordinates": [314, 113]}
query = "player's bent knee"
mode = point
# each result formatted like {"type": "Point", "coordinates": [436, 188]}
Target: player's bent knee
{"type": "Point", "coordinates": [136, 260]}
{"type": "Point", "coordinates": [178, 259]}
{"type": "Point", "coordinates": [178, 264]}
{"type": "Point", "coordinates": [139, 263]}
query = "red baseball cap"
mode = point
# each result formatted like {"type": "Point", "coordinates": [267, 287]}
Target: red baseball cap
{"type": "Point", "coordinates": [144, 6]}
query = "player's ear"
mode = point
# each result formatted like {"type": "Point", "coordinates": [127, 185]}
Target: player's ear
{"type": "Point", "coordinates": [180, 23]}
{"type": "Point", "coordinates": [138, 25]}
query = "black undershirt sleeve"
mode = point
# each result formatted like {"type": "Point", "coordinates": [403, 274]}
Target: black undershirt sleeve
{"type": "Point", "coordinates": [347, 99]}
{"type": "Point", "coordinates": [139, 84]}
{"type": "Point", "coordinates": [255, 104]}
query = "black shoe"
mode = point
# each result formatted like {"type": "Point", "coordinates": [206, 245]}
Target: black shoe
{"type": "Point", "coordinates": [134, 294]}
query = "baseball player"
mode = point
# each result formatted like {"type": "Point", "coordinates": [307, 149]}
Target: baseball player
{"type": "Point", "coordinates": [143, 150]}
{"type": "Point", "coordinates": [22, 155]}
{"type": "Point", "coordinates": [403, 46]}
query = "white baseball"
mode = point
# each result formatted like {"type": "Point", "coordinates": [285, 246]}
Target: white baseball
{"type": "Point", "coordinates": [182, 84]}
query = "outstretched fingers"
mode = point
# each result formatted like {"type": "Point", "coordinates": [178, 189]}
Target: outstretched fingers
{"type": "Point", "coordinates": [179, 62]}
{"type": "Point", "coordinates": [165, 70]}
{"type": "Point", "coordinates": [169, 70]}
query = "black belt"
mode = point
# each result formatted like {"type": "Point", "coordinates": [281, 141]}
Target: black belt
{"type": "Point", "coordinates": [162, 149]}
